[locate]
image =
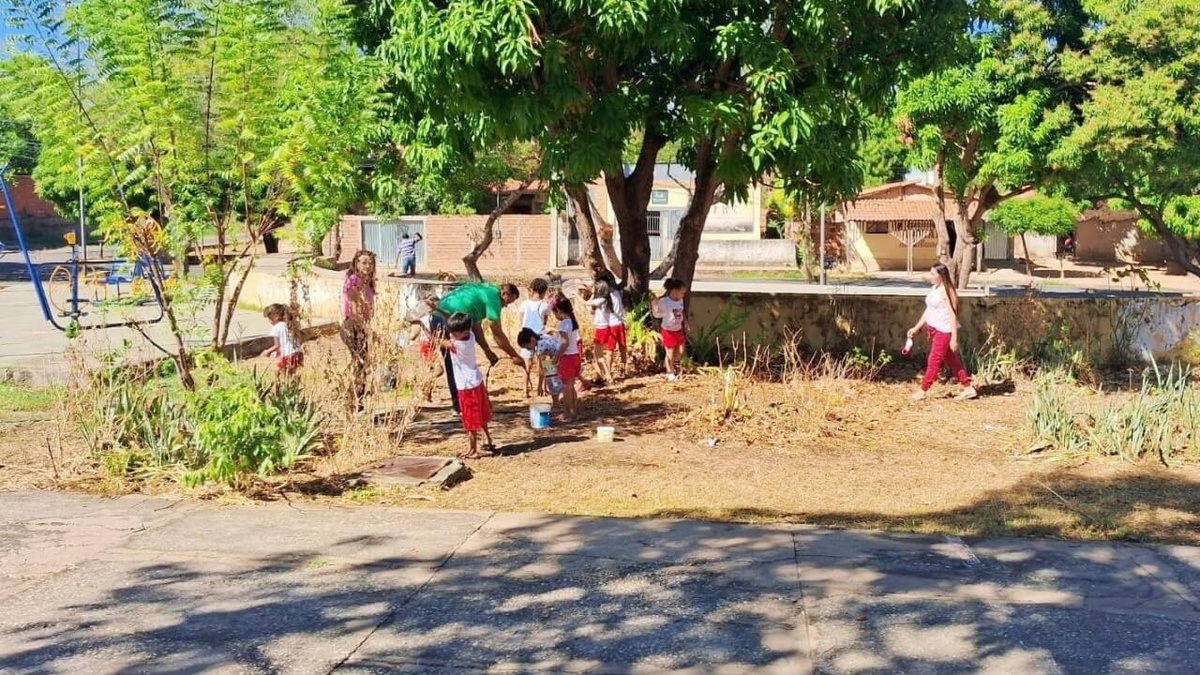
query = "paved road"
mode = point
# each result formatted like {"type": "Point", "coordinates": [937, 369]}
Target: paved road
{"type": "Point", "coordinates": [91, 585]}
{"type": "Point", "coordinates": [33, 351]}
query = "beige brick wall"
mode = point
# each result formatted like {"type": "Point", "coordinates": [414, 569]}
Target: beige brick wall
{"type": "Point", "coordinates": [521, 244]}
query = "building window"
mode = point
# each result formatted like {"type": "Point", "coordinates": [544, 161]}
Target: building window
{"type": "Point", "coordinates": [875, 228]}
{"type": "Point", "coordinates": [654, 223]}
{"type": "Point", "coordinates": [658, 196]}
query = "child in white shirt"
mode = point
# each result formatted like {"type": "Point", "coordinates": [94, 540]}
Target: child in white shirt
{"type": "Point", "coordinates": [289, 356]}
{"type": "Point", "coordinates": [544, 348]}
{"type": "Point", "coordinates": [569, 362]}
{"type": "Point", "coordinates": [670, 310]}
{"type": "Point", "coordinates": [534, 312]}
{"type": "Point", "coordinates": [473, 402]}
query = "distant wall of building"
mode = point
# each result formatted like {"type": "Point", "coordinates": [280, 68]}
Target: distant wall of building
{"type": "Point", "coordinates": [759, 253]}
{"type": "Point", "coordinates": [521, 243]}
{"type": "Point", "coordinates": [1113, 237]}
{"type": "Point", "coordinates": [38, 217]}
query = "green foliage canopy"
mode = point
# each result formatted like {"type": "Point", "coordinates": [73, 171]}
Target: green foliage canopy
{"type": "Point", "coordinates": [1138, 138]}
{"type": "Point", "coordinates": [1055, 216]}
{"type": "Point", "coordinates": [987, 123]}
{"type": "Point", "coordinates": [745, 89]}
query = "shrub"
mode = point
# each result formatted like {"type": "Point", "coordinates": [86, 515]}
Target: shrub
{"type": "Point", "coordinates": [707, 342]}
{"type": "Point", "coordinates": [1161, 420]}
{"type": "Point", "coordinates": [641, 338]}
{"type": "Point", "coordinates": [1052, 413]}
{"type": "Point", "coordinates": [234, 425]}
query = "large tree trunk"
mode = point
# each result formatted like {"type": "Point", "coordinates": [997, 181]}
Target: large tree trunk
{"type": "Point", "coordinates": [471, 260]}
{"type": "Point", "coordinates": [605, 236]}
{"type": "Point", "coordinates": [944, 252]}
{"type": "Point", "coordinates": [630, 197]}
{"type": "Point", "coordinates": [585, 223]}
{"type": "Point", "coordinates": [691, 226]}
{"type": "Point", "coordinates": [968, 224]}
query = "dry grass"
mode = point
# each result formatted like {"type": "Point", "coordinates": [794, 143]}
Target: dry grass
{"type": "Point", "coordinates": [831, 452]}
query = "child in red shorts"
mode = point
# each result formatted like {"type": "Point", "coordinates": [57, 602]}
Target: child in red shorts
{"type": "Point", "coordinates": [569, 362]}
{"type": "Point", "coordinates": [286, 335]}
{"type": "Point", "coordinates": [669, 308]}
{"type": "Point", "coordinates": [473, 401]}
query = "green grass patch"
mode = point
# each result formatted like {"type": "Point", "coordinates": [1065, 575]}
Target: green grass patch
{"type": "Point", "coordinates": [16, 398]}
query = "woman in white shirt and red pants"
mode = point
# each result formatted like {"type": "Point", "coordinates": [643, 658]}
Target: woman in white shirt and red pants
{"type": "Point", "coordinates": [941, 321]}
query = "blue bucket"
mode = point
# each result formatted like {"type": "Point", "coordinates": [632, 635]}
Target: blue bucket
{"type": "Point", "coordinates": [539, 416]}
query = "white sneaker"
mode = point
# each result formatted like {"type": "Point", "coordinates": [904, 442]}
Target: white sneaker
{"type": "Point", "coordinates": [672, 377]}
{"type": "Point", "coordinates": [966, 394]}
{"type": "Point", "coordinates": [918, 397]}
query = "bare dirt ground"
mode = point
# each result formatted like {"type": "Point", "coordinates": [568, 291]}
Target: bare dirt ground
{"type": "Point", "coordinates": [833, 453]}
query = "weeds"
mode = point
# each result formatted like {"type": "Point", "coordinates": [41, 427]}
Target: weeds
{"type": "Point", "coordinates": [706, 346]}
{"type": "Point", "coordinates": [1052, 414]}
{"type": "Point", "coordinates": [1159, 421]}
{"type": "Point", "coordinates": [238, 424]}
{"type": "Point", "coordinates": [641, 338]}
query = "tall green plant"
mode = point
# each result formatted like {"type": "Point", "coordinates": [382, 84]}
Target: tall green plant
{"type": "Point", "coordinates": [196, 123]}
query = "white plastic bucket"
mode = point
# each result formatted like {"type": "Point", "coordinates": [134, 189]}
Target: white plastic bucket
{"type": "Point", "coordinates": [539, 416]}
{"type": "Point", "coordinates": [605, 434]}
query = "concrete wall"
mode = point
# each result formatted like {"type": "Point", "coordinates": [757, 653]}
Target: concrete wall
{"type": "Point", "coordinates": [522, 243]}
{"type": "Point", "coordinates": [758, 253]}
{"type": "Point", "coordinates": [1108, 330]}
{"type": "Point", "coordinates": [1113, 237]}
{"type": "Point", "coordinates": [1041, 246]}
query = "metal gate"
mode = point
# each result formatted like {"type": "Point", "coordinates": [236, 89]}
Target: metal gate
{"type": "Point", "coordinates": [660, 229]}
{"type": "Point", "coordinates": [995, 245]}
{"type": "Point", "coordinates": [383, 239]}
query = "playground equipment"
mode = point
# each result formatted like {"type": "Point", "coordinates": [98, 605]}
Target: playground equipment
{"type": "Point", "coordinates": [63, 300]}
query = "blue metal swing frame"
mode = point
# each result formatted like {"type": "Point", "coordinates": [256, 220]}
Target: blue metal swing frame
{"type": "Point", "coordinates": [34, 271]}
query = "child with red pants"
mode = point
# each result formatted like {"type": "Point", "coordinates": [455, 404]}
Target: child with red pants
{"type": "Point", "coordinates": [473, 401]}
{"type": "Point", "coordinates": [941, 320]}
{"type": "Point", "coordinates": [287, 341]}
{"type": "Point", "coordinates": [569, 362]}
{"type": "Point", "coordinates": [669, 309]}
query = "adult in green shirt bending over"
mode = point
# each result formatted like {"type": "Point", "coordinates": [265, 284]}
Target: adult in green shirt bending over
{"type": "Point", "coordinates": [483, 303]}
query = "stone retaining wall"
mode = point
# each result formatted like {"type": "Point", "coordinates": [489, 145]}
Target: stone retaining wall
{"type": "Point", "coordinates": [1109, 330]}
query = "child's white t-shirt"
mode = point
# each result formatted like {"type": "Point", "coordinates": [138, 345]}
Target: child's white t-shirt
{"type": "Point", "coordinates": [533, 315]}
{"type": "Point", "coordinates": [283, 337]}
{"type": "Point", "coordinates": [617, 316]}
{"type": "Point", "coordinates": [568, 328]}
{"type": "Point", "coordinates": [465, 363]}
{"type": "Point", "coordinates": [600, 313]}
{"type": "Point", "coordinates": [672, 313]}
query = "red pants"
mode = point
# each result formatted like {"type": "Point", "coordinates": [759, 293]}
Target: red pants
{"type": "Point", "coordinates": [939, 352]}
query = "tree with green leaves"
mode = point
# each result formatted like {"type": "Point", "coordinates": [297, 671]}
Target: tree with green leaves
{"type": "Point", "coordinates": [884, 154]}
{"type": "Point", "coordinates": [987, 124]}
{"type": "Point", "coordinates": [745, 89]}
{"type": "Point", "coordinates": [1039, 214]}
{"type": "Point", "coordinates": [194, 122]}
{"type": "Point", "coordinates": [18, 147]}
{"type": "Point", "coordinates": [1138, 136]}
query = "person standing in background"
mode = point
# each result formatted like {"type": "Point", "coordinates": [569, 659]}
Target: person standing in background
{"type": "Point", "coordinates": [406, 257]}
{"type": "Point", "coordinates": [358, 307]}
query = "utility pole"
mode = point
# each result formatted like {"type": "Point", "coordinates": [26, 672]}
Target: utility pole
{"type": "Point", "coordinates": [821, 247]}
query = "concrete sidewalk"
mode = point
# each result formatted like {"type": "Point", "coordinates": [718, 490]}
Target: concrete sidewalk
{"type": "Point", "coordinates": [92, 585]}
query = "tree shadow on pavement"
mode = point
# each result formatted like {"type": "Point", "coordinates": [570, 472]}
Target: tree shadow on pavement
{"type": "Point", "coordinates": [314, 590]}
